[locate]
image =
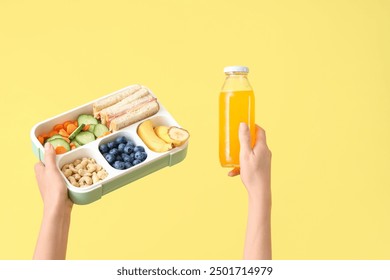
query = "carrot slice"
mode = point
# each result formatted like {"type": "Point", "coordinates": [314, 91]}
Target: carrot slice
{"type": "Point", "coordinates": [60, 150]}
{"type": "Point", "coordinates": [104, 134]}
{"type": "Point", "coordinates": [66, 124]}
{"type": "Point", "coordinates": [41, 139]}
{"type": "Point", "coordinates": [73, 147]}
{"type": "Point", "coordinates": [45, 136]}
{"type": "Point", "coordinates": [52, 133]}
{"type": "Point", "coordinates": [66, 139]}
{"type": "Point", "coordinates": [62, 132]}
{"type": "Point", "coordinates": [86, 127]}
{"type": "Point", "coordinates": [58, 127]}
{"type": "Point", "coordinates": [76, 123]}
{"type": "Point", "coordinates": [70, 128]}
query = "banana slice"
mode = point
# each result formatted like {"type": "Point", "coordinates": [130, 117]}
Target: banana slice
{"type": "Point", "coordinates": [162, 132]}
{"type": "Point", "coordinates": [178, 135]}
{"type": "Point", "coordinates": [155, 143]}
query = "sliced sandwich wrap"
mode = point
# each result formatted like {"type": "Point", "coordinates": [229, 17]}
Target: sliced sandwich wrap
{"type": "Point", "coordinates": [135, 114]}
{"type": "Point", "coordinates": [132, 100]}
{"type": "Point", "coordinates": [113, 99]}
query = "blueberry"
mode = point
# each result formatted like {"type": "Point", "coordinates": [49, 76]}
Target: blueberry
{"type": "Point", "coordinates": [128, 165]}
{"type": "Point", "coordinates": [121, 147]}
{"type": "Point", "coordinates": [138, 155]}
{"type": "Point", "coordinates": [105, 155]}
{"type": "Point", "coordinates": [110, 158]}
{"type": "Point", "coordinates": [144, 156]}
{"type": "Point", "coordinates": [119, 158]}
{"type": "Point", "coordinates": [126, 158]}
{"type": "Point", "coordinates": [103, 148]}
{"type": "Point", "coordinates": [137, 161]}
{"type": "Point", "coordinates": [121, 139]}
{"type": "Point", "coordinates": [139, 149]}
{"type": "Point", "coordinates": [132, 156]}
{"type": "Point", "coordinates": [119, 165]}
{"type": "Point", "coordinates": [114, 151]}
{"type": "Point", "coordinates": [111, 145]}
{"type": "Point", "coordinates": [129, 142]}
{"type": "Point", "coordinates": [128, 149]}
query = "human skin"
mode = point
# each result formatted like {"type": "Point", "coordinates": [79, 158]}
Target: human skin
{"type": "Point", "coordinates": [57, 207]}
{"type": "Point", "coordinates": [255, 172]}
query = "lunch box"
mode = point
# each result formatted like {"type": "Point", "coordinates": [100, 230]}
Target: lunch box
{"type": "Point", "coordinates": [116, 178]}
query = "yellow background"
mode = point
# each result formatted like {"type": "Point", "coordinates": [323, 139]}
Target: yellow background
{"type": "Point", "coordinates": [320, 70]}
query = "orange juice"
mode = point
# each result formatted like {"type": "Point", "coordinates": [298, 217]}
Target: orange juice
{"type": "Point", "coordinates": [236, 105]}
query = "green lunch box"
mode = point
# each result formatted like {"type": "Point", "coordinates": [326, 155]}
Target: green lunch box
{"type": "Point", "coordinates": [116, 178]}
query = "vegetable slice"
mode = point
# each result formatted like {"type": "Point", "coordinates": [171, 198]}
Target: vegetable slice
{"type": "Point", "coordinates": [87, 119]}
{"type": "Point", "coordinates": [85, 137]}
{"type": "Point", "coordinates": [100, 129]}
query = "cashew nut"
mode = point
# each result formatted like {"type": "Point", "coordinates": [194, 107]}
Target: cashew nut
{"type": "Point", "coordinates": [95, 178]}
{"type": "Point", "coordinates": [67, 172]}
{"type": "Point", "coordinates": [84, 162]}
{"type": "Point", "coordinates": [91, 167]}
{"type": "Point", "coordinates": [85, 179]}
{"type": "Point", "coordinates": [71, 167]}
{"type": "Point", "coordinates": [65, 167]}
{"type": "Point", "coordinates": [73, 181]}
{"type": "Point", "coordinates": [84, 172]}
{"type": "Point", "coordinates": [102, 174]}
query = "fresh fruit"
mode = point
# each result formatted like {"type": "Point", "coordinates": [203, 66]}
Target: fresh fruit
{"type": "Point", "coordinates": [147, 134]}
{"type": "Point", "coordinates": [111, 145]}
{"type": "Point", "coordinates": [103, 148]}
{"type": "Point", "coordinates": [110, 158]}
{"type": "Point", "coordinates": [121, 147]}
{"type": "Point", "coordinates": [121, 140]}
{"type": "Point", "coordinates": [162, 132]}
{"type": "Point", "coordinates": [178, 135]}
{"type": "Point", "coordinates": [114, 151]}
{"type": "Point", "coordinates": [120, 154]}
{"type": "Point", "coordinates": [119, 165]}
{"type": "Point", "coordinates": [139, 149]}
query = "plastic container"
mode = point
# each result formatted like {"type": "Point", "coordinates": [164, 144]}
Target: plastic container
{"type": "Point", "coordinates": [116, 178]}
{"type": "Point", "coordinates": [236, 105]}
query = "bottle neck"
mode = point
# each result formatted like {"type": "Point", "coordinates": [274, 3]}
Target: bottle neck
{"type": "Point", "coordinates": [236, 81]}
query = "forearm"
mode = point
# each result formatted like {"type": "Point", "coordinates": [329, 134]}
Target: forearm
{"type": "Point", "coordinates": [53, 235]}
{"type": "Point", "coordinates": [258, 234]}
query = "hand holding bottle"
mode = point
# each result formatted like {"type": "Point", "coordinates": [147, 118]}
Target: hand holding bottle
{"type": "Point", "coordinates": [255, 171]}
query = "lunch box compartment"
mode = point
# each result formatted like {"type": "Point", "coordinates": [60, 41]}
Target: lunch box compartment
{"type": "Point", "coordinates": [116, 178]}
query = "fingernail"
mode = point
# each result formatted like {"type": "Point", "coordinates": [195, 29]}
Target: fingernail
{"type": "Point", "coordinates": [47, 146]}
{"type": "Point", "coordinates": [243, 126]}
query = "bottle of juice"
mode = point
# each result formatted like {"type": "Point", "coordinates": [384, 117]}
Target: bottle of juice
{"type": "Point", "coordinates": [236, 105]}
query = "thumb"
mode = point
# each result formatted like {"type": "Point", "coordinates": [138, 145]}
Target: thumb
{"type": "Point", "coordinates": [50, 156]}
{"type": "Point", "coordinates": [245, 139]}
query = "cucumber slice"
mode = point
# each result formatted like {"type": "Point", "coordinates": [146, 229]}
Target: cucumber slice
{"type": "Point", "coordinates": [86, 119]}
{"type": "Point", "coordinates": [91, 127]}
{"type": "Point", "coordinates": [76, 131]}
{"type": "Point", "coordinates": [60, 142]}
{"type": "Point", "coordinates": [100, 129]}
{"type": "Point", "coordinates": [75, 143]}
{"type": "Point", "coordinates": [56, 136]}
{"type": "Point", "coordinates": [85, 137]}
